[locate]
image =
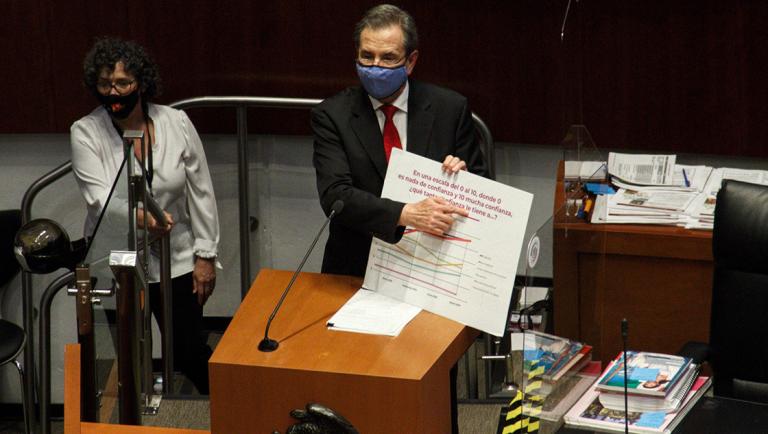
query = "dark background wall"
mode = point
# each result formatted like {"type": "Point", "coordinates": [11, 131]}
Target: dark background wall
{"type": "Point", "coordinates": [677, 76]}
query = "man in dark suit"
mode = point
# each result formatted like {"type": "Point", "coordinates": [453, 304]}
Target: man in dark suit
{"type": "Point", "coordinates": [355, 130]}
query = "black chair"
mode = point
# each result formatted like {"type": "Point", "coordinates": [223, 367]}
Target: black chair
{"type": "Point", "coordinates": [738, 342]}
{"type": "Point", "coordinates": [12, 337]}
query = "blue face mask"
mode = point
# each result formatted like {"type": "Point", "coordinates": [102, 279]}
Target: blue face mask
{"type": "Point", "coordinates": [381, 82]}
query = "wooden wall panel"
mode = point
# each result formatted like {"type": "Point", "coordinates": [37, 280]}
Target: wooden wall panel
{"type": "Point", "coordinates": [683, 76]}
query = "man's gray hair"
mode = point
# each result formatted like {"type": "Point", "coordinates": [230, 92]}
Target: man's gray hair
{"type": "Point", "coordinates": [383, 16]}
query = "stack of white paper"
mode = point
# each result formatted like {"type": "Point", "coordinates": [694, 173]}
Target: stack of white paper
{"type": "Point", "coordinates": [371, 312]}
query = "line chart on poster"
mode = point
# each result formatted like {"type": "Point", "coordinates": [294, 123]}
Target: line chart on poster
{"type": "Point", "coordinates": [446, 265]}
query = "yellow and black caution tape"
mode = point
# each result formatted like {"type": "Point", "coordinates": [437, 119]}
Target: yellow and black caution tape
{"type": "Point", "coordinates": [513, 422]}
{"type": "Point", "coordinates": [531, 401]}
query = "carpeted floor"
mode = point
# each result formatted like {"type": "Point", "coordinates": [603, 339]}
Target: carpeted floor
{"type": "Point", "coordinates": [193, 411]}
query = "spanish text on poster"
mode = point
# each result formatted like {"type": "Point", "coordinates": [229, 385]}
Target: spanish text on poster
{"type": "Point", "coordinates": [468, 273]}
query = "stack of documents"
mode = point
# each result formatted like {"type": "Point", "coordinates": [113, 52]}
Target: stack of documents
{"type": "Point", "coordinates": [585, 170]}
{"type": "Point", "coordinates": [589, 412]}
{"type": "Point", "coordinates": [370, 312]}
{"type": "Point", "coordinates": [653, 189]}
{"type": "Point", "coordinates": [660, 390]}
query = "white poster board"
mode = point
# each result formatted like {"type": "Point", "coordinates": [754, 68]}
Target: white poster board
{"type": "Point", "coordinates": [468, 274]}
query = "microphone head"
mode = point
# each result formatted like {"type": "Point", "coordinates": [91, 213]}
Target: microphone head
{"type": "Point", "coordinates": [337, 207]}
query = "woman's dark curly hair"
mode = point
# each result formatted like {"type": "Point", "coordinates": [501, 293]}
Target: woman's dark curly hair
{"type": "Point", "coordinates": [106, 52]}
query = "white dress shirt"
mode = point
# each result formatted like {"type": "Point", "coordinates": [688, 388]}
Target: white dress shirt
{"type": "Point", "coordinates": [181, 183]}
{"type": "Point", "coordinates": [400, 118]}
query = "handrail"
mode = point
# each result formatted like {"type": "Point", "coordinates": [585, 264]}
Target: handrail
{"type": "Point", "coordinates": [28, 313]}
{"type": "Point", "coordinates": [486, 138]}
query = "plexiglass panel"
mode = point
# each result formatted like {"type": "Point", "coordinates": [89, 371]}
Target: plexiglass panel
{"type": "Point", "coordinates": [110, 234]}
{"type": "Point", "coordinates": [547, 364]}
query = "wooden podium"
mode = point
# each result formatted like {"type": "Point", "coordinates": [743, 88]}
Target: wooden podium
{"type": "Point", "coordinates": [380, 384]}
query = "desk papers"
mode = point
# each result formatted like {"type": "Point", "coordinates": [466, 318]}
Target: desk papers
{"type": "Point", "coordinates": [642, 169]}
{"type": "Point", "coordinates": [653, 189]}
{"type": "Point", "coordinates": [370, 312]}
{"type": "Point", "coordinates": [585, 170]}
{"type": "Point", "coordinates": [466, 275]}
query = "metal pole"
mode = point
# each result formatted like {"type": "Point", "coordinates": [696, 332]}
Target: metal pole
{"type": "Point", "coordinates": [86, 339]}
{"type": "Point", "coordinates": [242, 172]}
{"type": "Point", "coordinates": [167, 301]}
{"type": "Point", "coordinates": [486, 141]}
{"type": "Point", "coordinates": [127, 347]}
{"type": "Point", "coordinates": [45, 346]}
{"type": "Point", "coordinates": [129, 324]}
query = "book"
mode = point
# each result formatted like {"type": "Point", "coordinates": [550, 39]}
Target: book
{"type": "Point", "coordinates": [642, 403]}
{"type": "Point", "coordinates": [578, 361]}
{"type": "Point", "coordinates": [550, 386]}
{"type": "Point", "coordinates": [565, 357]}
{"type": "Point", "coordinates": [589, 412]}
{"type": "Point", "coordinates": [650, 374]}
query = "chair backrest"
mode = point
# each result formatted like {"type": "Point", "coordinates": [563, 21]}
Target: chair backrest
{"type": "Point", "coordinates": [738, 327]}
{"type": "Point", "coordinates": [10, 222]}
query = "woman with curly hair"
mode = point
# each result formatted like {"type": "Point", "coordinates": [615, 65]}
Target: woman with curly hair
{"type": "Point", "coordinates": [124, 79]}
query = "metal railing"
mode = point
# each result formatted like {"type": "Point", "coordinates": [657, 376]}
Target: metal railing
{"type": "Point", "coordinates": [28, 309]}
{"type": "Point", "coordinates": [241, 104]}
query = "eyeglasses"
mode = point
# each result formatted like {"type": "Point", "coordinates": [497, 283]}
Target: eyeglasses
{"type": "Point", "coordinates": [121, 86]}
{"type": "Point", "coordinates": [366, 59]}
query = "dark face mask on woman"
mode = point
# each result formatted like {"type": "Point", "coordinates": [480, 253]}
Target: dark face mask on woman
{"type": "Point", "coordinates": [119, 106]}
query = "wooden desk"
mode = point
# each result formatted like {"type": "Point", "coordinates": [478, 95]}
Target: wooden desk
{"type": "Point", "coordinates": [380, 384]}
{"type": "Point", "coordinates": [658, 277]}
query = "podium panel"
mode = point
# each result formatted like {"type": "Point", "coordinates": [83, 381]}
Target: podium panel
{"type": "Point", "coordinates": [380, 384]}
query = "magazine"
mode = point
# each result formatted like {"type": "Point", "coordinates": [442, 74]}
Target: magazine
{"type": "Point", "coordinates": [671, 402]}
{"type": "Point", "coordinates": [648, 373]}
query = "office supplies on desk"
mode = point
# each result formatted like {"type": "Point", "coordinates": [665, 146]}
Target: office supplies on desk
{"type": "Point", "coordinates": [595, 188]}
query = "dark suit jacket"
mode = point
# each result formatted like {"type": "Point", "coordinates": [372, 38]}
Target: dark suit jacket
{"type": "Point", "coordinates": [350, 164]}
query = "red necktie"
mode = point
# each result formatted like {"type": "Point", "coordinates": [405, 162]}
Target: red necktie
{"type": "Point", "coordinates": [391, 137]}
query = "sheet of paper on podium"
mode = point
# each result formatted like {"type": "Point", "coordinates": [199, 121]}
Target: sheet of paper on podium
{"type": "Point", "coordinates": [468, 274]}
{"type": "Point", "coordinates": [374, 313]}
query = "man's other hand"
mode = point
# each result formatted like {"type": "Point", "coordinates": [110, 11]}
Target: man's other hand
{"type": "Point", "coordinates": [433, 215]}
{"type": "Point", "coordinates": [453, 164]}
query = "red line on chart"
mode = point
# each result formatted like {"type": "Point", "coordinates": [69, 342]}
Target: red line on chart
{"type": "Point", "coordinates": [469, 217]}
{"type": "Point", "coordinates": [418, 280]}
{"type": "Point", "coordinates": [444, 237]}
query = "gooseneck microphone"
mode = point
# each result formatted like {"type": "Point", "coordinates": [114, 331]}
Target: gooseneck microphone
{"type": "Point", "coordinates": [624, 333]}
{"type": "Point", "coordinates": [565, 20]}
{"type": "Point", "coordinates": [267, 344]}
